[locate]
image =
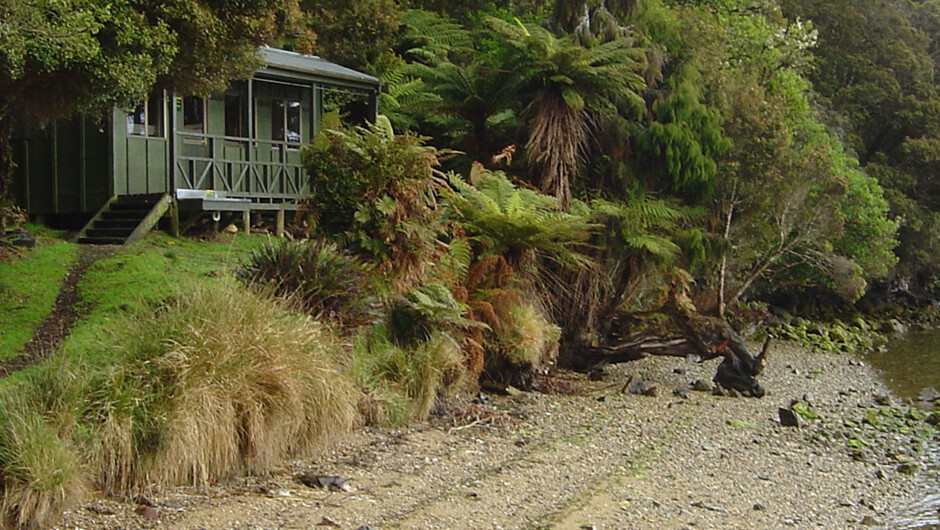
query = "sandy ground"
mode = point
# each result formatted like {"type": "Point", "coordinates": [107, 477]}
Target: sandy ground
{"type": "Point", "coordinates": [591, 457]}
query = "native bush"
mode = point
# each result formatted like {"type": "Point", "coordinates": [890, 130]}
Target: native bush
{"type": "Point", "coordinates": [375, 190]}
{"type": "Point", "coordinates": [322, 277]}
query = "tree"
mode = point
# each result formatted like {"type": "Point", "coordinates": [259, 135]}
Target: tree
{"type": "Point", "coordinates": [356, 34]}
{"type": "Point", "coordinates": [572, 90]}
{"type": "Point", "coordinates": [59, 57]}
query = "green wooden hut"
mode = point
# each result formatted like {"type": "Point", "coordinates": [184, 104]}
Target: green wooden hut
{"type": "Point", "coordinates": [184, 156]}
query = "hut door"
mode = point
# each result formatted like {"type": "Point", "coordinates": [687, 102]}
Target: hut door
{"type": "Point", "coordinates": [141, 150]}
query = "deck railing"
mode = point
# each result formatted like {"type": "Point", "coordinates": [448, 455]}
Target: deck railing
{"type": "Point", "coordinates": [247, 167]}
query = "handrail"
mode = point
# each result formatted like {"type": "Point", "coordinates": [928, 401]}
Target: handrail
{"type": "Point", "coordinates": [239, 139]}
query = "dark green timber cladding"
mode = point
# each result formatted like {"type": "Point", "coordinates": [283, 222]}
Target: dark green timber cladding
{"type": "Point", "coordinates": [140, 162]}
{"type": "Point", "coordinates": [75, 166]}
{"type": "Point", "coordinates": [63, 169]}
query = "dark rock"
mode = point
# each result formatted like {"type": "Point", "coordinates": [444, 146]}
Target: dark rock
{"type": "Point", "coordinates": [702, 385]}
{"type": "Point", "coordinates": [883, 400]}
{"type": "Point", "coordinates": [21, 238]}
{"type": "Point", "coordinates": [331, 482]}
{"type": "Point", "coordinates": [602, 399]}
{"type": "Point", "coordinates": [634, 385]}
{"type": "Point", "coordinates": [758, 507]}
{"type": "Point", "coordinates": [147, 512]}
{"type": "Point", "coordinates": [682, 393]}
{"type": "Point", "coordinates": [908, 468]}
{"type": "Point", "coordinates": [788, 418]}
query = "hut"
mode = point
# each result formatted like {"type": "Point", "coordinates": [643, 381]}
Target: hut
{"type": "Point", "coordinates": [181, 157]}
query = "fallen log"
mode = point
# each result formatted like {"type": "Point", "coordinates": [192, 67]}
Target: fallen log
{"type": "Point", "coordinates": [677, 331]}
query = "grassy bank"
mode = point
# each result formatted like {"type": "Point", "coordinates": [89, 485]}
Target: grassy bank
{"type": "Point", "coordinates": [29, 284]}
{"type": "Point", "coordinates": [175, 373]}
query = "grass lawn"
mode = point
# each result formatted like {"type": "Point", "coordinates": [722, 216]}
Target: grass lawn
{"type": "Point", "coordinates": [29, 285]}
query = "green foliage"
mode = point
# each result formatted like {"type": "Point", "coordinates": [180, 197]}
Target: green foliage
{"type": "Point", "coordinates": [643, 225]}
{"type": "Point", "coordinates": [685, 139]}
{"type": "Point", "coordinates": [406, 382]}
{"type": "Point", "coordinates": [868, 235]}
{"type": "Point", "coordinates": [516, 223]}
{"type": "Point", "coordinates": [323, 278]}
{"type": "Point", "coordinates": [29, 284]}
{"type": "Point", "coordinates": [376, 191]}
{"type": "Point", "coordinates": [427, 309]}
{"type": "Point", "coordinates": [574, 89]}
{"type": "Point", "coordinates": [354, 34]}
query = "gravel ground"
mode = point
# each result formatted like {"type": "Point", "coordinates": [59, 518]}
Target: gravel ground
{"type": "Point", "coordinates": [590, 457]}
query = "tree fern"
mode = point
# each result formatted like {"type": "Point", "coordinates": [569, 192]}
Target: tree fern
{"type": "Point", "coordinates": [515, 222]}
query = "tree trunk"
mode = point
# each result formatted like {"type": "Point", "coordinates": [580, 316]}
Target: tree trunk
{"type": "Point", "coordinates": [6, 157]}
{"type": "Point", "coordinates": [723, 271]}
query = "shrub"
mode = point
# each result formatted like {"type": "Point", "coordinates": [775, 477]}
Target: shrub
{"type": "Point", "coordinates": [323, 278]}
{"type": "Point", "coordinates": [525, 343]}
{"type": "Point", "coordinates": [376, 190]}
{"type": "Point", "coordinates": [404, 383]}
{"type": "Point", "coordinates": [428, 308]}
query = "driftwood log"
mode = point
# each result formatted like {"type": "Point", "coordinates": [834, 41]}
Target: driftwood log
{"type": "Point", "coordinates": [677, 330]}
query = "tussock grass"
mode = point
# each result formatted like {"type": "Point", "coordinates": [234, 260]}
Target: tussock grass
{"type": "Point", "coordinates": [41, 473]}
{"type": "Point", "coordinates": [211, 383]}
{"type": "Point", "coordinates": [404, 382]}
{"type": "Point", "coordinates": [217, 381]}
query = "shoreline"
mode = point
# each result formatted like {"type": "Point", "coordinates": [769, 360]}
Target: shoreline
{"type": "Point", "coordinates": [589, 458]}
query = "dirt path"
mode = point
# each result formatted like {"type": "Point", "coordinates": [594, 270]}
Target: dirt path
{"type": "Point", "coordinates": [64, 313]}
{"type": "Point", "coordinates": [597, 459]}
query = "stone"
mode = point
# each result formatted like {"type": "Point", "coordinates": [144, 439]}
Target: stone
{"type": "Point", "coordinates": [870, 521]}
{"type": "Point", "coordinates": [788, 418]}
{"type": "Point", "coordinates": [634, 385]}
{"type": "Point", "coordinates": [883, 399]}
{"type": "Point", "coordinates": [231, 229]}
{"type": "Point", "coordinates": [682, 393]}
{"type": "Point", "coordinates": [702, 385]}
{"type": "Point", "coordinates": [758, 507]}
{"type": "Point", "coordinates": [331, 482]}
{"type": "Point", "coordinates": [929, 395]}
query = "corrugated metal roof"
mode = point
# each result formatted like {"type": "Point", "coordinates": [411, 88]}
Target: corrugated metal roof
{"type": "Point", "coordinates": [311, 64]}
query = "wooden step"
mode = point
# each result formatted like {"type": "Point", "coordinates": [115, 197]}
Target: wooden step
{"type": "Point", "coordinates": [109, 232]}
{"type": "Point", "coordinates": [124, 219]}
{"type": "Point", "coordinates": [101, 240]}
{"type": "Point", "coordinates": [135, 214]}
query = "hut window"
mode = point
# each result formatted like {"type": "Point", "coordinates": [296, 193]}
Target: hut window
{"type": "Point", "coordinates": [236, 116]}
{"type": "Point", "coordinates": [147, 118]}
{"type": "Point", "coordinates": [285, 121]}
{"type": "Point", "coordinates": [194, 114]}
